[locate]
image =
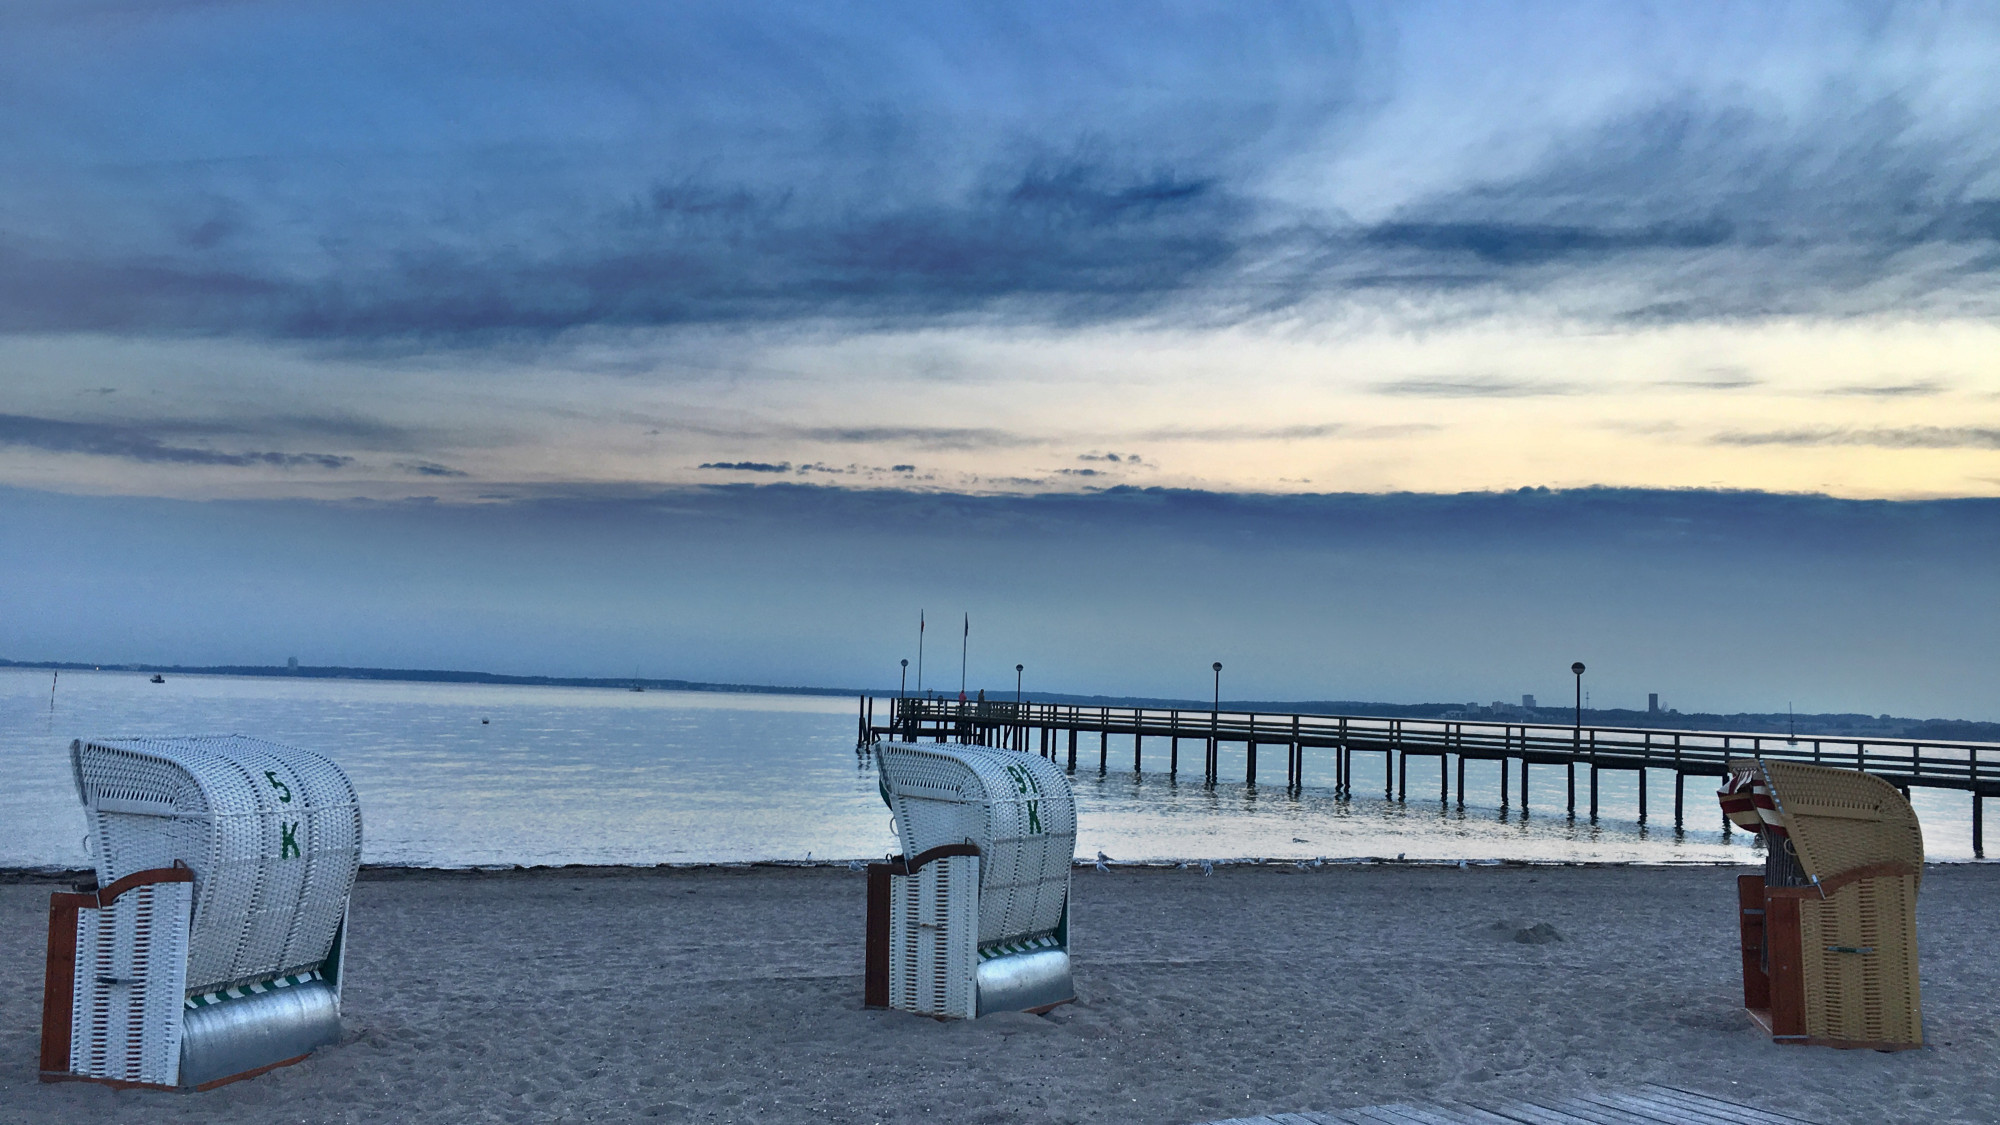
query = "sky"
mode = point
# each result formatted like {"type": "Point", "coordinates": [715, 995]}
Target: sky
{"type": "Point", "coordinates": [304, 274]}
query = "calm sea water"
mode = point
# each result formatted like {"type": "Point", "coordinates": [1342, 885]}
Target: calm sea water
{"type": "Point", "coordinates": [583, 775]}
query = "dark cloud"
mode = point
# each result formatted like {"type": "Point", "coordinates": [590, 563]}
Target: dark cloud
{"type": "Point", "coordinates": [1904, 437]}
{"type": "Point", "coordinates": [430, 469]}
{"type": "Point", "coordinates": [820, 177]}
{"type": "Point", "coordinates": [749, 466]}
{"type": "Point", "coordinates": [1503, 243]}
{"type": "Point", "coordinates": [138, 444]}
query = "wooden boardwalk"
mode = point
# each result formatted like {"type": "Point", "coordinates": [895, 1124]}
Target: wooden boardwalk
{"type": "Point", "coordinates": [1648, 1105]}
{"type": "Point", "coordinates": [1362, 743]}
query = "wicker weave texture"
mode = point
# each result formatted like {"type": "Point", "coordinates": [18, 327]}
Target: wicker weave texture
{"type": "Point", "coordinates": [1841, 820]}
{"type": "Point", "coordinates": [933, 961]}
{"type": "Point", "coordinates": [1859, 956]}
{"type": "Point", "coordinates": [1017, 807]}
{"type": "Point", "coordinates": [272, 833]}
{"type": "Point", "coordinates": [126, 998]}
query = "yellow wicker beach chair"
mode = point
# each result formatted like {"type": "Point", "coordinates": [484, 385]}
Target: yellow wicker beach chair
{"type": "Point", "coordinates": [1829, 931]}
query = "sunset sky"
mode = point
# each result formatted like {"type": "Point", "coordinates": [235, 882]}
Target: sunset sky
{"type": "Point", "coordinates": [323, 263]}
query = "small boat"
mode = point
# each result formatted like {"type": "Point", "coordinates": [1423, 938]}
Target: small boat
{"type": "Point", "coordinates": [637, 687]}
{"type": "Point", "coordinates": [159, 679]}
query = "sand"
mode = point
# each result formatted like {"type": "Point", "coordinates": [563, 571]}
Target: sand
{"type": "Point", "coordinates": [734, 995]}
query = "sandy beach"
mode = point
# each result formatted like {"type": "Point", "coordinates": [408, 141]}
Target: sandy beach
{"type": "Point", "coordinates": [733, 994]}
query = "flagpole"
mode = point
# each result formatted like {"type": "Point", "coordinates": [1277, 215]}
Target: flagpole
{"type": "Point", "coordinates": [920, 653]}
{"type": "Point", "coordinates": [963, 646]}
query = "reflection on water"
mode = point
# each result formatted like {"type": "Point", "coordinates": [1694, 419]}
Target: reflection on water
{"type": "Point", "coordinates": [459, 774]}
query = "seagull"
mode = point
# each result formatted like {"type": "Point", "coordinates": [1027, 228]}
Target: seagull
{"type": "Point", "coordinates": [1319, 861]}
{"type": "Point", "coordinates": [855, 865]}
{"type": "Point", "coordinates": [1207, 868]}
{"type": "Point", "coordinates": [1103, 859]}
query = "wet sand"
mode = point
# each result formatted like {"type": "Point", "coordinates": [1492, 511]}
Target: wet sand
{"type": "Point", "coordinates": [735, 995]}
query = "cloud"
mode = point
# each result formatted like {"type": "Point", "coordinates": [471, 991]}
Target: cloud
{"type": "Point", "coordinates": [1906, 437]}
{"type": "Point", "coordinates": [137, 444]}
{"type": "Point", "coordinates": [431, 469]}
{"type": "Point", "coordinates": [1920, 388]}
{"type": "Point", "coordinates": [1244, 433]}
{"type": "Point", "coordinates": [926, 437]}
{"type": "Point", "coordinates": [1715, 379]}
{"type": "Point", "coordinates": [1475, 387]}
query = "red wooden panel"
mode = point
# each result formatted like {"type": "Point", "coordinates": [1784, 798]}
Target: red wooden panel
{"type": "Point", "coordinates": [1787, 972]}
{"type": "Point", "coordinates": [1750, 918]}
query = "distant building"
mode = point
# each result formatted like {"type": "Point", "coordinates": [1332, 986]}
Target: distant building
{"type": "Point", "coordinates": [292, 664]}
{"type": "Point", "coordinates": [1652, 702]}
{"type": "Point", "coordinates": [1528, 702]}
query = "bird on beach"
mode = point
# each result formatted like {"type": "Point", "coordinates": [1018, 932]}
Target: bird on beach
{"type": "Point", "coordinates": [1207, 868]}
{"type": "Point", "coordinates": [1102, 861]}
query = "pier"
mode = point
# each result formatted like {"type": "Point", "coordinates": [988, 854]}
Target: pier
{"type": "Point", "coordinates": [1370, 750]}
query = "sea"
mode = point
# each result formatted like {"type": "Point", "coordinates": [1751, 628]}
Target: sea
{"type": "Point", "coordinates": [476, 775]}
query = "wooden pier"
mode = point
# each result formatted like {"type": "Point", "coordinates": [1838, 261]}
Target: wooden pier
{"type": "Point", "coordinates": [1366, 748]}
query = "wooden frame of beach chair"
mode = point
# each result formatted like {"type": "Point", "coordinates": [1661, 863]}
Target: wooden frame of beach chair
{"type": "Point", "coordinates": [211, 948]}
{"type": "Point", "coordinates": [1829, 932]}
{"type": "Point", "coordinates": [976, 920]}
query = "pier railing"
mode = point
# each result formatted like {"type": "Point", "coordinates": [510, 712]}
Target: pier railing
{"type": "Point", "coordinates": [1054, 730]}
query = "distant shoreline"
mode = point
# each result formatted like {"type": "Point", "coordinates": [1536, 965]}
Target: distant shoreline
{"type": "Point", "coordinates": [1829, 725]}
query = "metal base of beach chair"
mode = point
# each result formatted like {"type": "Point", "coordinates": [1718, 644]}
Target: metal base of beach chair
{"type": "Point", "coordinates": [1025, 982]}
{"type": "Point", "coordinates": [244, 1037]}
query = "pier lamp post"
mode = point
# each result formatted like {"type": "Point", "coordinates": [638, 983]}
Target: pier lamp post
{"type": "Point", "coordinates": [905, 681]}
{"type": "Point", "coordinates": [1017, 685]}
{"type": "Point", "coordinates": [1578, 669]}
{"type": "Point", "coordinates": [1218, 685]}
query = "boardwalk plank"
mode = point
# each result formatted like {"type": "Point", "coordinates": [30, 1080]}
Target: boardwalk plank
{"type": "Point", "coordinates": [1675, 1113]}
{"type": "Point", "coordinates": [1726, 1110]}
{"type": "Point", "coordinates": [1591, 1110]}
{"type": "Point", "coordinates": [1480, 1115]}
{"type": "Point", "coordinates": [1528, 1113]}
{"type": "Point", "coordinates": [1651, 1104]}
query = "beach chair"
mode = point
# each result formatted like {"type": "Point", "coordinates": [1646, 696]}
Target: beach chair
{"type": "Point", "coordinates": [211, 947]}
{"type": "Point", "coordinates": [1829, 931]}
{"type": "Point", "coordinates": [973, 917]}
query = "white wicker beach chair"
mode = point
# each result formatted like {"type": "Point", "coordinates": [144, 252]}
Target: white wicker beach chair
{"type": "Point", "coordinates": [211, 947]}
{"type": "Point", "coordinates": [973, 917]}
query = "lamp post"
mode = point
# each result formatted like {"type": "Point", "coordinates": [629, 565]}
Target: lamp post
{"type": "Point", "coordinates": [1017, 685]}
{"type": "Point", "coordinates": [905, 681]}
{"type": "Point", "coordinates": [1578, 669]}
{"type": "Point", "coordinates": [1218, 685]}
